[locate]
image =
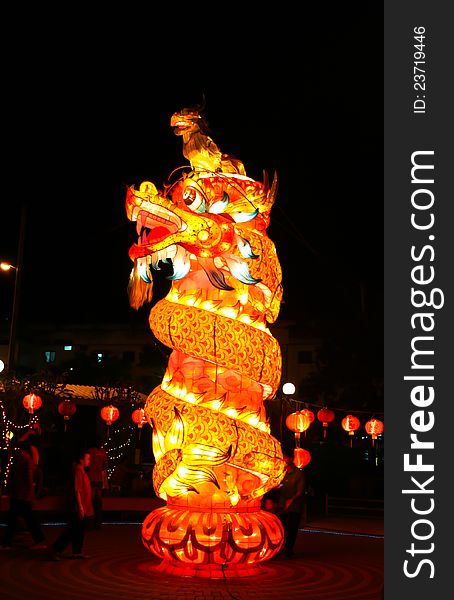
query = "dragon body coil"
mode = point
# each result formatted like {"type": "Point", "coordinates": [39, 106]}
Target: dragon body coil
{"type": "Point", "coordinates": [215, 456]}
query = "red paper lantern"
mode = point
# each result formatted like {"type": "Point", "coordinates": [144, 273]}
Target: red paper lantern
{"type": "Point", "coordinates": [297, 421]}
{"type": "Point", "coordinates": [32, 402]}
{"type": "Point", "coordinates": [109, 414]}
{"type": "Point", "coordinates": [350, 424]}
{"type": "Point", "coordinates": [67, 408]}
{"type": "Point", "coordinates": [308, 414]}
{"type": "Point", "coordinates": [301, 457]}
{"type": "Point", "coordinates": [138, 417]}
{"type": "Point", "coordinates": [374, 427]}
{"type": "Point", "coordinates": [325, 416]}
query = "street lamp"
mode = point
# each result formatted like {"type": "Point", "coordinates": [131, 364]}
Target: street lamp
{"type": "Point", "coordinates": [4, 266]}
{"type": "Point", "coordinates": [288, 389]}
{"type": "Point", "coordinates": [12, 333]}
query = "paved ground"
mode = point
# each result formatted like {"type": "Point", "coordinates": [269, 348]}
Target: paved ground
{"type": "Point", "coordinates": [336, 559]}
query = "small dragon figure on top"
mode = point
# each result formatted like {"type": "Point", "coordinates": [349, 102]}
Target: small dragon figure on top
{"type": "Point", "coordinates": [198, 147]}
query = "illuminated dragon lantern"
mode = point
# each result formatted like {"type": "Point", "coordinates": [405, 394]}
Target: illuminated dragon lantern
{"type": "Point", "coordinates": [215, 457]}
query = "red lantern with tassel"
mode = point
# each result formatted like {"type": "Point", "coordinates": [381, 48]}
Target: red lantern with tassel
{"type": "Point", "coordinates": [32, 402]}
{"type": "Point", "coordinates": [301, 457]}
{"type": "Point", "coordinates": [138, 417]}
{"type": "Point", "coordinates": [374, 427]}
{"type": "Point", "coordinates": [325, 416]}
{"type": "Point", "coordinates": [109, 414]}
{"type": "Point", "coordinates": [350, 424]}
{"type": "Point", "coordinates": [297, 422]}
{"type": "Point", "coordinates": [67, 408]}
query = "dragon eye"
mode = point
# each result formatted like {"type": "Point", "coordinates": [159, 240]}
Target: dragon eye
{"type": "Point", "coordinates": [194, 200]}
{"type": "Point", "coordinates": [189, 196]}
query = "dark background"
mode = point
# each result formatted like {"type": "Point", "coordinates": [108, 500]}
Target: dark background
{"type": "Point", "coordinates": [87, 111]}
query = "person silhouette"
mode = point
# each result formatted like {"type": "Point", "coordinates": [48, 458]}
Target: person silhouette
{"type": "Point", "coordinates": [97, 473]}
{"type": "Point", "coordinates": [22, 496]}
{"type": "Point", "coordinates": [291, 502]}
{"type": "Point", "coordinates": [80, 511]}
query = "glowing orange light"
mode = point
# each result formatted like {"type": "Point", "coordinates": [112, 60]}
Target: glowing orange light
{"type": "Point", "coordinates": [215, 457]}
{"type": "Point", "coordinates": [374, 427]}
{"type": "Point", "coordinates": [32, 402]}
{"type": "Point", "coordinates": [301, 457]}
{"type": "Point", "coordinates": [309, 414]}
{"type": "Point", "coordinates": [109, 414]}
{"type": "Point", "coordinates": [350, 424]}
{"type": "Point", "coordinates": [298, 421]}
{"type": "Point", "coordinates": [138, 417]}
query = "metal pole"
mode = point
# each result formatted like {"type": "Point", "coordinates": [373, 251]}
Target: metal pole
{"type": "Point", "coordinates": [17, 282]}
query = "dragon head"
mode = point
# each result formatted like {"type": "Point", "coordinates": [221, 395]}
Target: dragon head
{"type": "Point", "coordinates": [211, 222]}
{"type": "Point", "coordinates": [188, 120]}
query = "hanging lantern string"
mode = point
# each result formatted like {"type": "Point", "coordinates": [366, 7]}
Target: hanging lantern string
{"type": "Point", "coordinates": [299, 403]}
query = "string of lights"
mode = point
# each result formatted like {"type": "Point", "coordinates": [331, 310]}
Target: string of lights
{"type": "Point", "coordinates": [116, 453]}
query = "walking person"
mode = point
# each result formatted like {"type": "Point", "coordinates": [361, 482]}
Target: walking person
{"type": "Point", "coordinates": [22, 497]}
{"type": "Point", "coordinates": [97, 473]}
{"type": "Point", "coordinates": [80, 511]}
{"type": "Point", "coordinates": [291, 503]}
{"type": "Point", "coordinates": [32, 435]}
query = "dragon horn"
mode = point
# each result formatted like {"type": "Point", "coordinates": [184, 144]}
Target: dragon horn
{"type": "Point", "coordinates": [267, 201]}
{"type": "Point", "coordinates": [266, 181]}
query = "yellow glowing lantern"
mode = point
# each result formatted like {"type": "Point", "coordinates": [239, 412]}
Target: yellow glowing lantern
{"type": "Point", "coordinates": [298, 422]}
{"type": "Point", "coordinates": [32, 402]}
{"type": "Point", "coordinates": [215, 457]}
{"type": "Point", "coordinates": [374, 427]}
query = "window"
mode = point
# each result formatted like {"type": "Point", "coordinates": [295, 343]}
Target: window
{"type": "Point", "coordinates": [304, 357]}
{"type": "Point", "coordinates": [49, 356]}
{"type": "Point", "coordinates": [67, 347]}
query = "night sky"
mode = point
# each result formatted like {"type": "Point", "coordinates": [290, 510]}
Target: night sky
{"type": "Point", "coordinates": [88, 114]}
